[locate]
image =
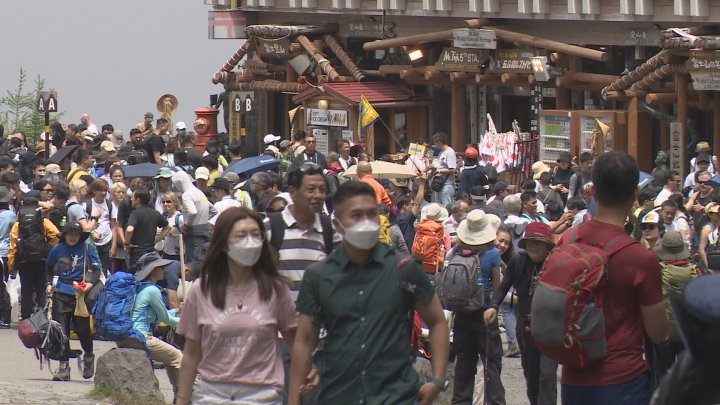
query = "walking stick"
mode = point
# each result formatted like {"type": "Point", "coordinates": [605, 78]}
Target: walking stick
{"type": "Point", "coordinates": [181, 245]}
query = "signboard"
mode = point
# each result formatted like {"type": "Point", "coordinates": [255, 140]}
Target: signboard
{"type": "Point", "coordinates": [275, 48]}
{"type": "Point", "coordinates": [477, 39]}
{"type": "Point", "coordinates": [513, 61]}
{"type": "Point", "coordinates": [643, 37]}
{"type": "Point", "coordinates": [704, 60]}
{"type": "Point", "coordinates": [347, 134]}
{"type": "Point", "coordinates": [46, 102]}
{"type": "Point", "coordinates": [321, 135]}
{"type": "Point", "coordinates": [327, 118]}
{"type": "Point", "coordinates": [676, 146]}
{"type": "Point", "coordinates": [706, 80]}
{"type": "Point", "coordinates": [460, 60]}
{"type": "Point", "coordinates": [416, 149]}
{"type": "Point", "coordinates": [370, 29]}
{"type": "Point", "coordinates": [536, 100]}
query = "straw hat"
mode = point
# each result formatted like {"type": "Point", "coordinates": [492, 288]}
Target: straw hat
{"type": "Point", "coordinates": [478, 228]}
{"type": "Point", "coordinates": [539, 168]}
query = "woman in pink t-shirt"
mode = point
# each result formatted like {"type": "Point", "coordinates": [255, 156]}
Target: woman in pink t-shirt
{"type": "Point", "coordinates": [232, 316]}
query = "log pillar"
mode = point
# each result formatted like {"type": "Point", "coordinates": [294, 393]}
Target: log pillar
{"type": "Point", "coordinates": [716, 123]}
{"type": "Point", "coordinates": [633, 147]}
{"type": "Point", "coordinates": [458, 118]}
{"type": "Point", "coordinates": [682, 92]}
{"type": "Point", "coordinates": [664, 128]}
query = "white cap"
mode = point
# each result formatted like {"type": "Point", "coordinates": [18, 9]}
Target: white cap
{"type": "Point", "coordinates": [270, 138]}
{"type": "Point", "coordinates": [202, 173]}
{"type": "Point", "coordinates": [180, 125]}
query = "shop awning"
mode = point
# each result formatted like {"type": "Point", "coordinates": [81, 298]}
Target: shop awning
{"type": "Point", "coordinates": [374, 92]}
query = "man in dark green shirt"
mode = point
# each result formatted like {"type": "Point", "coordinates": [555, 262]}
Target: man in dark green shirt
{"type": "Point", "coordinates": [361, 297]}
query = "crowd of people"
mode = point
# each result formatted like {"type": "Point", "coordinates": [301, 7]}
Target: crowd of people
{"type": "Point", "coordinates": [296, 270]}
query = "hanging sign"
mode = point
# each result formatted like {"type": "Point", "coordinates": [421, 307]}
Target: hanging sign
{"type": "Point", "coordinates": [676, 146]}
{"type": "Point", "coordinates": [643, 37]}
{"type": "Point", "coordinates": [416, 149]}
{"type": "Point", "coordinates": [513, 61]}
{"type": "Point", "coordinates": [369, 29]}
{"type": "Point", "coordinates": [327, 118]}
{"type": "Point", "coordinates": [477, 39]}
{"type": "Point", "coordinates": [460, 60]}
{"type": "Point", "coordinates": [704, 60]}
{"type": "Point", "coordinates": [705, 80]}
{"type": "Point", "coordinates": [275, 48]}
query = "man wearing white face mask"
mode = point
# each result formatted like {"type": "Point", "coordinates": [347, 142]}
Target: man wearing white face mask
{"type": "Point", "coordinates": [362, 292]}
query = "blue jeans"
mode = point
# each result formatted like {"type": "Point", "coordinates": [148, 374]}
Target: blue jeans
{"type": "Point", "coordinates": [510, 319]}
{"type": "Point", "coordinates": [446, 195]}
{"type": "Point", "coordinates": [633, 392]}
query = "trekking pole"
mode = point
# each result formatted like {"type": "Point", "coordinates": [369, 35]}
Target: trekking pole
{"type": "Point", "coordinates": [181, 246]}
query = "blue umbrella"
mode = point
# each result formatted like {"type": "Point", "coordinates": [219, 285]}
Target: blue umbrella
{"type": "Point", "coordinates": [714, 181]}
{"type": "Point", "coordinates": [141, 170]}
{"type": "Point", "coordinates": [250, 165]}
{"type": "Point", "coordinates": [645, 179]}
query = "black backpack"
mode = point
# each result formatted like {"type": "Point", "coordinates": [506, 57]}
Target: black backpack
{"type": "Point", "coordinates": [32, 245]}
{"type": "Point", "coordinates": [58, 216]}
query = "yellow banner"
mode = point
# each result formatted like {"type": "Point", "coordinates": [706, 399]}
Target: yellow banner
{"type": "Point", "coordinates": [368, 115]}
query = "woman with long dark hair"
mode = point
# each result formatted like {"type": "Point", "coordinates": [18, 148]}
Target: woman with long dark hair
{"type": "Point", "coordinates": [232, 316]}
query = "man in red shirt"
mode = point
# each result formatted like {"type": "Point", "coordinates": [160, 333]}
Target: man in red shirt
{"type": "Point", "coordinates": [634, 303]}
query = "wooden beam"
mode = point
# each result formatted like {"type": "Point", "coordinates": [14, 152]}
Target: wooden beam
{"type": "Point", "coordinates": [234, 60]}
{"type": "Point", "coordinates": [318, 56]}
{"type": "Point", "coordinates": [459, 77]}
{"type": "Point", "coordinates": [345, 59]}
{"type": "Point", "coordinates": [661, 98]}
{"type": "Point", "coordinates": [593, 78]}
{"type": "Point", "coordinates": [615, 95]}
{"type": "Point", "coordinates": [548, 44]}
{"type": "Point", "coordinates": [458, 121]}
{"type": "Point", "coordinates": [270, 85]}
{"type": "Point", "coordinates": [396, 69]}
{"type": "Point", "coordinates": [411, 74]}
{"type": "Point", "coordinates": [409, 40]}
{"type": "Point", "coordinates": [633, 127]}
{"type": "Point", "coordinates": [682, 110]}
{"type": "Point", "coordinates": [431, 75]}
{"type": "Point", "coordinates": [716, 122]}
{"type": "Point", "coordinates": [512, 77]}
{"type": "Point", "coordinates": [476, 22]}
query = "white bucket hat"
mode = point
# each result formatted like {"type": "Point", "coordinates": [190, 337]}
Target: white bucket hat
{"type": "Point", "coordinates": [478, 228]}
{"type": "Point", "coordinates": [434, 212]}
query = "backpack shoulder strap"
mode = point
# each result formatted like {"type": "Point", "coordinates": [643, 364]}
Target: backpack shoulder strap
{"type": "Point", "coordinates": [277, 229]}
{"type": "Point", "coordinates": [404, 270]}
{"type": "Point", "coordinates": [177, 221]}
{"type": "Point", "coordinates": [88, 208]}
{"type": "Point", "coordinates": [618, 243]}
{"type": "Point", "coordinates": [327, 232]}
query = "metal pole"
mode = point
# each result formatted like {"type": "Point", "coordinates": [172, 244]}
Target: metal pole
{"type": "Point", "coordinates": [47, 135]}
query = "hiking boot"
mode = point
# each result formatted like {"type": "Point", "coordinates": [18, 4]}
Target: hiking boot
{"type": "Point", "coordinates": [88, 366]}
{"type": "Point", "coordinates": [512, 352]}
{"type": "Point", "coordinates": [62, 373]}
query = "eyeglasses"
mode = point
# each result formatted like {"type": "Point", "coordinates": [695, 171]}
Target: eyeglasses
{"type": "Point", "coordinates": [648, 227]}
{"type": "Point", "coordinates": [700, 182]}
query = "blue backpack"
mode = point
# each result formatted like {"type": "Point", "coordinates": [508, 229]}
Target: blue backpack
{"type": "Point", "coordinates": [113, 309]}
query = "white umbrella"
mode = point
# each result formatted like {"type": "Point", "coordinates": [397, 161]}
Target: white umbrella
{"type": "Point", "coordinates": [384, 170]}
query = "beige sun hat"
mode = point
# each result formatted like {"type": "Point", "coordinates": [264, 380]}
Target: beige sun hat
{"type": "Point", "coordinates": [434, 212]}
{"type": "Point", "coordinates": [478, 228]}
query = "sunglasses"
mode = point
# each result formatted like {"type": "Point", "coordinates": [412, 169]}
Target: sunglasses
{"type": "Point", "coordinates": [48, 190]}
{"type": "Point", "coordinates": [648, 227]}
{"type": "Point", "coordinates": [167, 202]}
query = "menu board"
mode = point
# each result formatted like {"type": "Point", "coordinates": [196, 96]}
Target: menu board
{"type": "Point", "coordinates": [554, 136]}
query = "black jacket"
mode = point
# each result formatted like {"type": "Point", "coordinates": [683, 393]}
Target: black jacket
{"type": "Point", "coordinates": [319, 158]}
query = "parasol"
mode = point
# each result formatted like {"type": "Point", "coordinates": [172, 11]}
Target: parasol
{"type": "Point", "coordinates": [385, 170]}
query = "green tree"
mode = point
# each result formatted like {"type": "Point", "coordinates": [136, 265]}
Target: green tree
{"type": "Point", "coordinates": [17, 109]}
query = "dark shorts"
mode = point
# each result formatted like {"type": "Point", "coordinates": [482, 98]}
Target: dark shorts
{"type": "Point", "coordinates": [633, 392]}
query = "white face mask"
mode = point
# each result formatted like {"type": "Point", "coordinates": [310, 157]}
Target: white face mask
{"type": "Point", "coordinates": [246, 251]}
{"type": "Point", "coordinates": [364, 234]}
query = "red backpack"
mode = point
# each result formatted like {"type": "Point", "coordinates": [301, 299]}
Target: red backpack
{"type": "Point", "coordinates": [566, 319]}
{"type": "Point", "coordinates": [429, 245]}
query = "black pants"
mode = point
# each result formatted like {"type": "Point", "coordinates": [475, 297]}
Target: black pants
{"type": "Point", "coordinates": [62, 312]}
{"type": "Point", "coordinates": [32, 287]}
{"type": "Point", "coordinates": [665, 355]}
{"type": "Point", "coordinates": [196, 240]}
{"type": "Point", "coordinates": [540, 372]}
{"type": "Point", "coordinates": [5, 305]}
{"type": "Point", "coordinates": [473, 340]}
{"type": "Point", "coordinates": [135, 255]}
{"type": "Point", "coordinates": [104, 256]}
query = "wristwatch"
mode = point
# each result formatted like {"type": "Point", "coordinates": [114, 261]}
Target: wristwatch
{"type": "Point", "coordinates": [442, 384]}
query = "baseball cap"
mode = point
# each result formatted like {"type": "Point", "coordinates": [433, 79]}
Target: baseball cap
{"type": "Point", "coordinates": [202, 173]}
{"type": "Point", "coordinates": [285, 143]}
{"type": "Point", "coordinates": [222, 184]}
{"type": "Point", "coordinates": [500, 186]}
{"type": "Point", "coordinates": [149, 115]}
{"type": "Point", "coordinates": [471, 152]}
{"type": "Point", "coordinates": [107, 146]}
{"type": "Point", "coordinates": [232, 177]}
{"type": "Point", "coordinates": [270, 138]}
{"type": "Point", "coordinates": [53, 168]}
{"type": "Point", "coordinates": [164, 173]}
{"type": "Point", "coordinates": [180, 125]}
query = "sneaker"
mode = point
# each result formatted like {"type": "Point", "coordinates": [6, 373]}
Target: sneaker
{"type": "Point", "coordinates": [4, 325]}
{"type": "Point", "coordinates": [88, 366]}
{"type": "Point", "coordinates": [62, 373]}
{"type": "Point", "coordinates": [512, 352]}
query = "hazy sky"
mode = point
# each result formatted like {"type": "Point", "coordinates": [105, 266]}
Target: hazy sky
{"type": "Point", "coordinates": [113, 59]}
